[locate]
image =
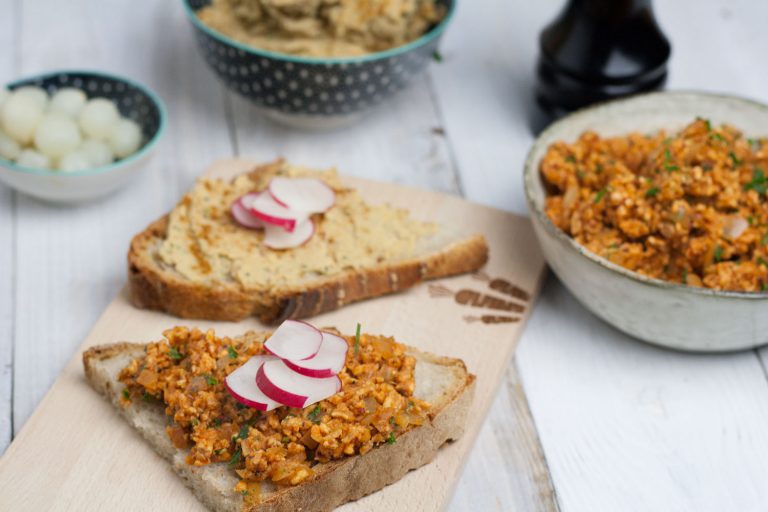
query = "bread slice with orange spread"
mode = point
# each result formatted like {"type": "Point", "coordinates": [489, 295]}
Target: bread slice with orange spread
{"type": "Point", "coordinates": [198, 262]}
{"type": "Point", "coordinates": [396, 408]}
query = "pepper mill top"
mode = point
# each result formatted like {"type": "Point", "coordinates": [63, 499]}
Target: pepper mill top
{"type": "Point", "coordinates": [596, 50]}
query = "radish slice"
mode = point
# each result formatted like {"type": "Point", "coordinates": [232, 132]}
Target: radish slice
{"type": "Point", "coordinates": [283, 385]}
{"type": "Point", "coordinates": [294, 339]}
{"type": "Point", "coordinates": [308, 195]}
{"type": "Point", "coordinates": [278, 238]}
{"type": "Point", "coordinates": [241, 384]}
{"type": "Point", "coordinates": [328, 361]}
{"type": "Point", "coordinates": [242, 214]}
{"type": "Point", "coordinates": [270, 211]}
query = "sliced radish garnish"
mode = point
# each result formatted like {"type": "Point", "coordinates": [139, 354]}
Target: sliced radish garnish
{"type": "Point", "coordinates": [308, 195]}
{"type": "Point", "coordinates": [270, 211]}
{"type": "Point", "coordinates": [294, 339]}
{"type": "Point", "coordinates": [242, 214]}
{"type": "Point", "coordinates": [278, 238]}
{"type": "Point", "coordinates": [328, 361]}
{"type": "Point", "coordinates": [284, 385]}
{"type": "Point", "coordinates": [241, 384]}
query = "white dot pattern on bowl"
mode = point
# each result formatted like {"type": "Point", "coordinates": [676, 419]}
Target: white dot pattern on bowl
{"type": "Point", "coordinates": [304, 87]}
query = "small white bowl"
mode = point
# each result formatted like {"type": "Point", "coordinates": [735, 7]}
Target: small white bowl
{"type": "Point", "coordinates": [133, 100]}
{"type": "Point", "coordinates": [659, 312]}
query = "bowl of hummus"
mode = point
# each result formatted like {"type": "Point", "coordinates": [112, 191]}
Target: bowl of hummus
{"type": "Point", "coordinates": [318, 63]}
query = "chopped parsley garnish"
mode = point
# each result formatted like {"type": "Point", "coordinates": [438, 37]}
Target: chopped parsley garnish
{"type": "Point", "coordinates": [231, 352]}
{"type": "Point", "coordinates": [651, 192]}
{"type": "Point", "coordinates": [174, 354]}
{"type": "Point", "coordinates": [392, 420]}
{"type": "Point", "coordinates": [598, 168]}
{"type": "Point", "coordinates": [670, 167]}
{"type": "Point", "coordinates": [126, 395]}
{"type": "Point", "coordinates": [599, 195]}
{"type": "Point", "coordinates": [759, 182]}
{"type": "Point", "coordinates": [761, 261]}
{"type": "Point", "coordinates": [718, 137]}
{"type": "Point", "coordinates": [357, 339]}
{"type": "Point", "coordinates": [764, 239]}
{"type": "Point", "coordinates": [194, 422]}
{"type": "Point", "coordinates": [706, 122]}
{"type": "Point", "coordinates": [244, 492]}
{"type": "Point", "coordinates": [437, 56]}
{"type": "Point", "coordinates": [391, 438]}
{"type": "Point", "coordinates": [210, 379]}
{"type": "Point", "coordinates": [147, 397]}
{"type": "Point", "coordinates": [571, 159]}
{"type": "Point", "coordinates": [763, 287]}
{"type": "Point", "coordinates": [667, 155]}
{"type": "Point", "coordinates": [236, 458]}
{"type": "Point", "coordinates": [734, 159]}
{"type": "Point", "coordinates": [243, 431]}
{"type": "Point", "coordinates": [750, 220]}
{"type": "Point", "coordinates": [685, 276]}
{"type": "Point", "coordinates": [217, 423]}
{"type": "Point", "coordinates": [718, 254]}
{"type": "Point", "coordinates": [286, 439]}
{"type": "Point", "coordinates": [315, 415]}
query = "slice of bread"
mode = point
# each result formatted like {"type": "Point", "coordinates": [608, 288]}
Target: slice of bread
{"type": "Point", "coordinates": [443, 382]}
{"type": "Point", "coordinates": [154, 284]}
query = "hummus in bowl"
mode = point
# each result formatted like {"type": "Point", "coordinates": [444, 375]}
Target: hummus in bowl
{"type": "Point", "coordinates": [318, 63]}
{"type": "Point", "coordinates": [323, 28]}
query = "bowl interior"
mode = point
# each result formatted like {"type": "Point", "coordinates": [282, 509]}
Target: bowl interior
{"type": "Point", "coordinates": [132, 100]}
{"type": "Point", "coordinates": [645, 114]}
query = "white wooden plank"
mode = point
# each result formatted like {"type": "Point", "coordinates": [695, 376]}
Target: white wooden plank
{"type": "Point", "coordinates": [397, 143]}
{"type": "Point", "coordinates": [71, 261]}
{"type": "Point", "coordinates": [507, 470]}
{"type": "Point", "coordinates": [484, 91]}
{"type": "Point", "coordinates": [627, 426]}
{"type": "Point", "coordinates": [7, 241]}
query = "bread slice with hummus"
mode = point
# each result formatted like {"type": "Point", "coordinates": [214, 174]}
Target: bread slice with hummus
{"type": "Point", "coordinates": [198, 262]}
{"type": "Point", "coordinates": [315, 459]}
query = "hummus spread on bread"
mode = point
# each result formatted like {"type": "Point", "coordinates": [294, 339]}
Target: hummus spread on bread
{"type": "Point", "coordinates": [322, 28]}
{"type": "Point", "coordinates": [205, 244]}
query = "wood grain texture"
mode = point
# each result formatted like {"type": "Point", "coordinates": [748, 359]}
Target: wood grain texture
{"type": "Point", "coordinates": [72, 260]}
{"type": "Point", "coordinates": [662, 430]}
{"type": "Point", "coordinates": [7, 252]}
{"type": "Point", "coordinates": [507, 450]}
{"type": "Point", "coordinates": [399, 143]}
{"type": "Point", "coordinates": [409, 316]}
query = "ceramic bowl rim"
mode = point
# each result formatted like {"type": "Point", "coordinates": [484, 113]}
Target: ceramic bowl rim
{"type": "Point", "coordinates": [531, 172]}
{"type": "Point", "coordinates": [144, 150]}
{"type": "Point", "coordinates": [425, 39]}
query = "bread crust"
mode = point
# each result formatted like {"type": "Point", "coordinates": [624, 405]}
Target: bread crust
{"type": "Point", "coordinates": [152, 287]}
{"type": "Point", "coordinates": [335, 482]}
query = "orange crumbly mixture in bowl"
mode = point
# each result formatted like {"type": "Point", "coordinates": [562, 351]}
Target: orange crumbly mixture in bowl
{"type": "Point", "coordinates": [186, 373]}
{"type": "Point", "coordinates": [689, 208]}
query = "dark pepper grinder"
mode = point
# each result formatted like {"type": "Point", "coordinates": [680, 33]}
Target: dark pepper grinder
{"type": "Point", "coordinates": [597, 50]}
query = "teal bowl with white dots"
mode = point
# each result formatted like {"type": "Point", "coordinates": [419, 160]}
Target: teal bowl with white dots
{"type": "Point", "coordinates": [133, 100]}
{"type": "Point", "coordinates": [314, 92]}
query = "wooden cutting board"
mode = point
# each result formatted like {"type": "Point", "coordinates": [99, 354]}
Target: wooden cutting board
{"type": "Point", "coordinates": [76, 453]}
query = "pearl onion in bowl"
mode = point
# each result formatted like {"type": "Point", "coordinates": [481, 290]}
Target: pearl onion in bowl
{"type": "Point", "coordinates": [75, 135]}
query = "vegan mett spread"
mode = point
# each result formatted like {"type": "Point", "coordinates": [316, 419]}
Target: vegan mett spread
{"type": "Point", "coordinates": [186, 373]}
{"type": "Point", "coordinates": [322, 28]}
{"type": "Point", "coordinates": [205, 244]}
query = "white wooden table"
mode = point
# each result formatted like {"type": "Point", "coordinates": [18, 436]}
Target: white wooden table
{"type": "Point", "coordinates": [624, 426]}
